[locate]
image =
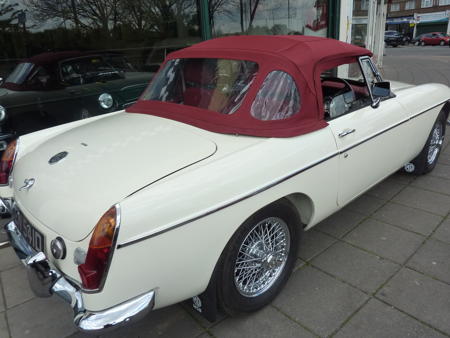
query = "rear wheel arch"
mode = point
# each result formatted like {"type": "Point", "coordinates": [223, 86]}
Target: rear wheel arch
{"type": "Point", "coordinates": [446, 109]}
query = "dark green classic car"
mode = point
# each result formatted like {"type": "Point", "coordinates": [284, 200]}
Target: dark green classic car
{"type": "Point", "coordinates": [58, 87]}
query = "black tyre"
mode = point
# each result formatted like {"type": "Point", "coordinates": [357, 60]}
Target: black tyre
{"type": "Point", "coordinates": [422, 43]}
{"type": "Point", "coordinates": [442, 43]}
{"type": "Point", "coordinates": [428, 157]}
{"type": "Point", "coordinates": [259, 258]}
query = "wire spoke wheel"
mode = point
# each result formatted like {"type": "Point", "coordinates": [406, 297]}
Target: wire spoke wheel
{"type": "Point", "coordinates": [262, 257]}
{"type": "Point", "coordinates": [437, 138]}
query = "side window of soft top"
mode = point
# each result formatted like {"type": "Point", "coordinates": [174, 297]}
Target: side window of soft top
{"type": "Point", "coordinates": [277, 99]}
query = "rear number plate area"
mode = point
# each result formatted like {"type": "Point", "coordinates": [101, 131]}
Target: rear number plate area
{"type": "Point", "coordinates": [33, 237]}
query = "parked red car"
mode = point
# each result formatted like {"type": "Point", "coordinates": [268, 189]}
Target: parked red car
{"type": "Point", "coordinates": [435, 38]}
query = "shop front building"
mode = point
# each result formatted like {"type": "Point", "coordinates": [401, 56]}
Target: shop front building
{"type": "Point", "coordinates": [146, 30]}
{"type": "Point", "coordinates": [415, 17]}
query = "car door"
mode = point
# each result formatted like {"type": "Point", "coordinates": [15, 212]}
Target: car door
{"type": "Point", "coordinates": [370, 141]}
{"type": "Point", "coordinates": [435, 39]}
{"type": "Point", "coordinates": [427, 39]}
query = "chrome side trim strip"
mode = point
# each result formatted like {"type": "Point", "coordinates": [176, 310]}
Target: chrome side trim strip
{"type": "Point", "coordinates": [281, 180]}
{"type": "Point", "coordinates": [424, 111]}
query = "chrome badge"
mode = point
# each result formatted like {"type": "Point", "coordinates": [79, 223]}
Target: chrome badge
{"type": "Point", "coordinates": [28, 183]}
{"type": "Point", "coordinates": [58, 157]}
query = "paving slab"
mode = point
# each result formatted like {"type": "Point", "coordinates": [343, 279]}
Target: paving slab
{"type": "Point", "coordinates": [443, 231]}
{"type": "Point", "coordinates": [312, 243]}
{"type": "Point", "coordinates": [317, 301]}
{"type": "Point", "coordinates": [420, 296]}
{"type": "Point", "coordinates": [378, 320]}
{"type": "Point", "coordinates": [412, 219]}
{"type": "Point", "coordinates": [16, 286]}
{"type": "Point", "coordinates": [433, 259]}
{"type": "Point", "coordinates": [387, 189]}
{"type": "Point", "coordinates": [340, 223]}
{"type": "Point", "coordinates": [299, 263]}
{"type": "Point", "coordinates": [8, 259]}
{"type": "Point", "coordinates": [2, 301]}
{"type": "Point", "coordinates": [426, 200]}
{"type": "Point", "coordinates": [444, 158]}
{"type": "Point", "coordinates": [385, 240]}
{"type": "Point", "coordinates": [266, 323]}
{"type": "Point", "coordinates": [3, 326]}
{"type": "Point", "coordinates": [357, 267]}
{"type": "Point", "coordinates": [402, 177]}
{"type": "Point", "coordinates": [172, 321]}
{"type": "Point", "coordinates": [365, 205]}
{"type": "Point", "coordinates": [41, 317]}
{"type": "Point", "coordinates": [83, 335]}
{"type": "Point", "coordinates": [202, 321]}
{"type": "Point", "coordinates": [432, 183]}
{"type": "Point", "coordinates": [441, 170]}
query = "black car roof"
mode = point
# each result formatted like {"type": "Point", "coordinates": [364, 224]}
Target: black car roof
{"type": "Point", "coordinates": [54, 57]}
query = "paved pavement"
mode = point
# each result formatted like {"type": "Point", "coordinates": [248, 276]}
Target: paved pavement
{"type": "Point", "coordinates": [377, 268]}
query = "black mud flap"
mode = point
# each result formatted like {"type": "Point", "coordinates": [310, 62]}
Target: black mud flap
{"type": "Point", "coordinates": [206, 303]}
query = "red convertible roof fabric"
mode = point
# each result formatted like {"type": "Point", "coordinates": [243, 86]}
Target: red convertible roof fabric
{"type": "Point", "coordinates": [300, 56]}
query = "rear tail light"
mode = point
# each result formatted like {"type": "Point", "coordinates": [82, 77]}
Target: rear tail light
{"type": "Point", "coordinates": [7, 162]}
{"type": "Point", "coordinates": [93, 270]}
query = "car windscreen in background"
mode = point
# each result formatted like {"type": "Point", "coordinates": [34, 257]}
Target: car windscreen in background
{"type": "Point", "coordinates": [20, 73]}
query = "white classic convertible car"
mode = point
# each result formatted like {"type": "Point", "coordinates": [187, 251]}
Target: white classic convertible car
{"type": "Point", "coordinates": [202, 189]}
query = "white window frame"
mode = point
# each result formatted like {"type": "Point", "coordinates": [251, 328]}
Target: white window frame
{"type": "Point", "coordinates": [364, 5]}
{"type": "Point", "coordinates": [444, 2]}
{"type": "Point", "coordinates": [411, 4]}
{"type": "Point", "coordinates": [395, 7]}
{"type": "Point", "coordinates": [427, 3]}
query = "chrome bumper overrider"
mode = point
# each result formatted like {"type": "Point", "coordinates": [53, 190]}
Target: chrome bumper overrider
{"type": "Point", "coordinates": [5, 207]}
{"type": "Point", "coordinates": [45, 281]}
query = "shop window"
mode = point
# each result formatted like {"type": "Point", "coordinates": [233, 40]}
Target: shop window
{"type": "Point", "coordinates": [395, 7]}
{"type": "Point", "coordinates": [364, 5]}
{"type": "Point", "coordinates": [269, 17]}
{"type": "Point", "coordinates": [410, 4]}
{"type": "Point", "coordinates": [278, 98]}
{"type": "Point", "coordinates": [427, 3]}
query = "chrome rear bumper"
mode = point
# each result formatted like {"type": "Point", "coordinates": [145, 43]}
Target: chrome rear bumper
{"type": "Point", "coordinates": [46, 280]}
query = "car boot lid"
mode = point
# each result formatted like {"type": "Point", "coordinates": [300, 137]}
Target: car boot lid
{"type": "Point", "coordinates": [81, 173]}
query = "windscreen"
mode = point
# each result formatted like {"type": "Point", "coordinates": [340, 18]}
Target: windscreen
{"type": "Point", "coordinates": [20, 73]}
{"type": "Point", "coordinates": [219, 85]}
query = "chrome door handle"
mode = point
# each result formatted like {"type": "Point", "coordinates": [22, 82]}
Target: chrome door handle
{"type": "Point", "coordinates": [346, 132]}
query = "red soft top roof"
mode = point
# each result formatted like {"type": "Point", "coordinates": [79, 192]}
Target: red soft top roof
{"type": "Point", "coordinates": [303, 57]}
{"type": "Point", "coordinates": [302, 50]}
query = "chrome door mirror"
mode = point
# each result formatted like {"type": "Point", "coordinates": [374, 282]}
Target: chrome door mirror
{"type": "Point", "coordinates": [381, 89]}
{"type": "Point", "coordinates": [376, 102]}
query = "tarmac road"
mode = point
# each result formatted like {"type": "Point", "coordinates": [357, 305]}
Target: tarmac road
{"type": "Point", "coordinates": [417, 64]}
